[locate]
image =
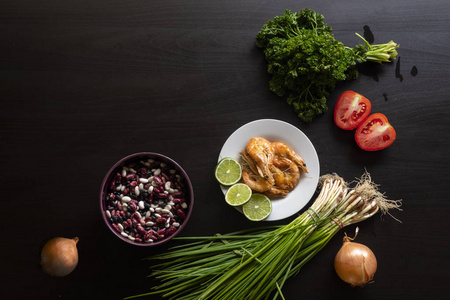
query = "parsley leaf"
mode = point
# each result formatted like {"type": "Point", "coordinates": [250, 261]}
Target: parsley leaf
{"type": "Point", "coordinates": [306, 62]}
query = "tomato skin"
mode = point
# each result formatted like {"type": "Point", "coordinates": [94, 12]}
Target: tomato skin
{"type": "Point", "coordinates": [351, 109]}
{"type": "Point", "coordinates": [375, 133]}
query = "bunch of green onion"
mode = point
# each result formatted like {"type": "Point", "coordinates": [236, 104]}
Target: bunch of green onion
{"type": "Point", "coordinates": [255, 264]}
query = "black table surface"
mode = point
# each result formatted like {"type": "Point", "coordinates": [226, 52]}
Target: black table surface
{"type": "Point", "coordinates": [85, 83]}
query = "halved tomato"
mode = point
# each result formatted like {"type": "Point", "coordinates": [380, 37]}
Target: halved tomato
{"type": "Point", "coordinates": [351, 109]}
{"type": "Point", "coordinates": [375, 133]}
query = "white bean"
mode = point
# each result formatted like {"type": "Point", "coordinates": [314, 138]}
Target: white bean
{"type": "Point", "coordinates": [108, 214]}
{"type": "Point", "coordinates": [157, 172]}
{"type": "Point", "coordinates": [176, 224]}
{"type": "Point", "coordinates": [165, 211]}
{"type": "Point", "coordinates": [141, 204]}
{"type": "Point", "coordinates": [184, 205]}
{"type": "Point", "coordinates": [120, 227]}
{"type": "Point", "coordinates": [149, 223]}
{"type": "Point", "coordinates": [126, 199]}
{"type": "Point", "coordinates": [131, 238]}
{"type": "Point", "coordinates": [167, 185]}
{"type": "Point", "coordinates": [123, 233]}
{"type": "Point", "coordinates": [136, 190]}
{"type": "Point", "coordinates": [143, 180]}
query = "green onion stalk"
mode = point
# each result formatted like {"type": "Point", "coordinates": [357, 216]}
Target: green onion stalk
{"type": "Point", "coordinates": [380, 53]}
{"type": "Point", "coordinates": [255, 263]}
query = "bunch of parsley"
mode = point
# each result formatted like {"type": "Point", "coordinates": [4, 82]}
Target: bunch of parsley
{"type": "Point", "coordinates": [306, 61]}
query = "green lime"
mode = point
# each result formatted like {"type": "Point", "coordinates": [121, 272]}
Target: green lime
{"type": "Point", "coordinates": [238, 194]}
{"type": "Point", "coordinates": [258, 207]}
{"type": "Point", "coordinates": [228, 171]}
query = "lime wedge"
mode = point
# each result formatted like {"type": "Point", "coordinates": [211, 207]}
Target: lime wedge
{"type": "Point", "coordinates": [238, 194]}
{"type": "Point", "coordinates": [228, 171]}
{"type": "Point", "coordinates": [258, 207]}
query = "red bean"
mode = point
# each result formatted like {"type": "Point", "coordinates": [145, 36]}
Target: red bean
{"type": "Point", "coordinates": [161, 220]}
{"type": "Point", "coordinates": [130, 176]}
{"type": "Point", "coordinates": [181, 214]}
{"type": "Point", "coordinates": [115, 227]}
{"type": "Point", "coordinates": [171, 230]}
{"type": "Point", "coordinates": [133, 184]}
{"type": "Point", "coordinates": [158, 180]}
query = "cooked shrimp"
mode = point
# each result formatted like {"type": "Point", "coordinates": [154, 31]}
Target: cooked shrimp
{"type": "Point", "coordinates": [254, 181]}
{"type": "Point", "coordinates": [286, 173]}
{"type": "Point", "coordinates": [250, 175]}
{"type": "Point", "coordinates": [276, 192]}
{"type": "Point", "coordinates": [261, 152]}
{"type": "Point", "coordinates": [283, 150]}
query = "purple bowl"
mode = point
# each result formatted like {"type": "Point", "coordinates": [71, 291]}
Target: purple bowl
{"type": "Point", "coordinates": [110, 176]}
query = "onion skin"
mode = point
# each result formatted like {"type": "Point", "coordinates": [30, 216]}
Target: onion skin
{"type": "Point", "coordinates": [59, 256]}
{"type": "Point", "coordinates": [355, 263]}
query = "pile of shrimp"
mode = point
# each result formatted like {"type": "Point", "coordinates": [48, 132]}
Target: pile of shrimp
{"type": "Point", "coordinates": [271, 168]}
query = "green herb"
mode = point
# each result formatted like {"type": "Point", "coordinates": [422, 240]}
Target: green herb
{"type": "Point", "coordinates": [306, 61]}
{"type": "Point", "coordinates": [255, 264]}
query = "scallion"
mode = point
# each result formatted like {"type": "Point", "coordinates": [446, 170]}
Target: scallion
{"type": "Point", "coordinates": [254, 264]}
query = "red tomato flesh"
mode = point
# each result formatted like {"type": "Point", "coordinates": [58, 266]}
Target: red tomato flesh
{"type": "Point", "coordinates": [351, 110]}
{"type": "Point", "coordinates": [375, 133]}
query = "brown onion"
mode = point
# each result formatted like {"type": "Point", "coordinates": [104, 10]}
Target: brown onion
{"type": "Point", "coordinates": [355, 263]}
{"type": "Point", "coordinates": [59, 256]}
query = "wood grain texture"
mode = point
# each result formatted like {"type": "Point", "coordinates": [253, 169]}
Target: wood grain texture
{"type": "Point", "coordinates": [84, 83]}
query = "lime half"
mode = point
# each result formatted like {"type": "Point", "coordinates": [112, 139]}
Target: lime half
{"type": "Point", "coordinates": [238, 194]}
{"type": "Point", "coordinates": [258, 207]}
{"type": "Point", "coordinates": [228, 171]}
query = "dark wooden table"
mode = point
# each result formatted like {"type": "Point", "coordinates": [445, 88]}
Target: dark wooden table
{"type": "Point", "coordinates": [85, 83]}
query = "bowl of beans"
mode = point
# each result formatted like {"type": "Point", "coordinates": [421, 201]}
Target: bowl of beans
{"type": "Point", "coordinates": [146, 199]}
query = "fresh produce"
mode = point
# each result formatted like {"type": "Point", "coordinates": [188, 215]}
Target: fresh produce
{"type": "Point", "coordinates": [375, 133]}
{"type": "Point", "coordinates": [228, 171]}
{"type": "Point", "coordinates": [59, 256]}
{"type": "Point", "coordinates": [351, 109]}
{"type": "Point", "coordinates": [355, 263]}
{"type": "Point", "coordinates": [271, 168]}
{"type": "Point", "coordinates": [238, 194]}
{"type": "Point", "coordinates": [255, 264]}
{"type": "Point", "coordinates": [258, 207]}
{"type": "Point", "coordinates": [306, 62]}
